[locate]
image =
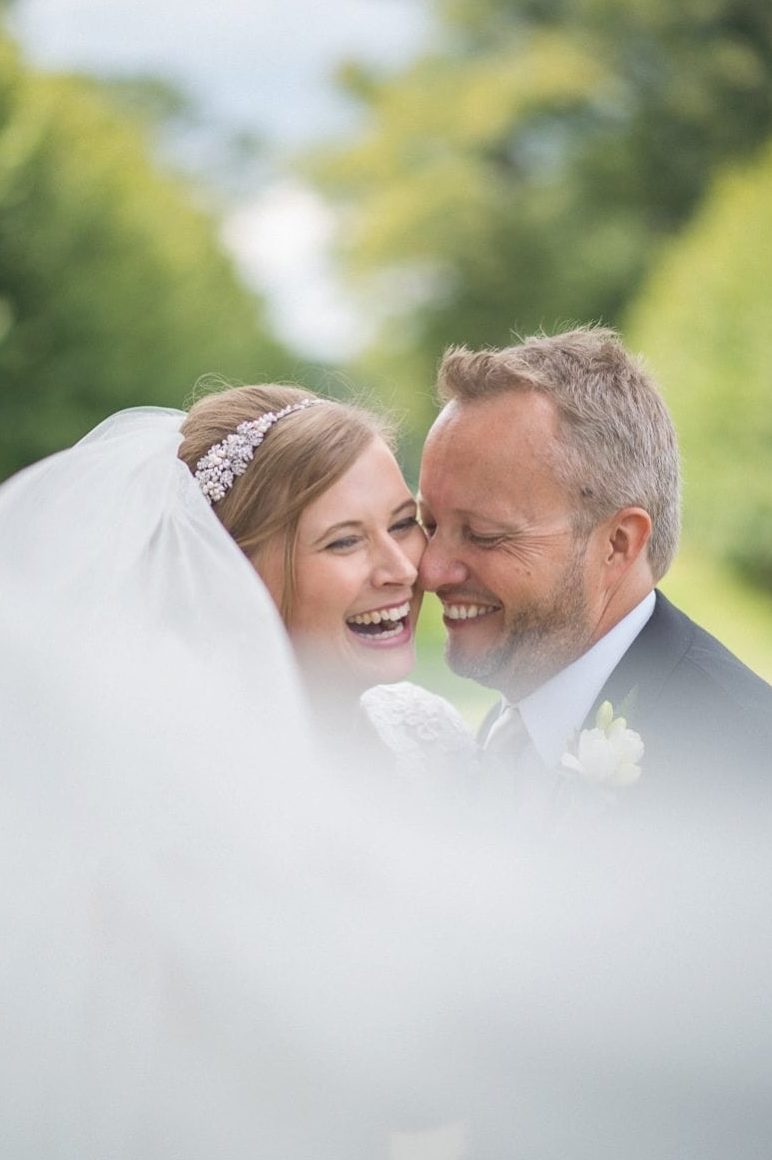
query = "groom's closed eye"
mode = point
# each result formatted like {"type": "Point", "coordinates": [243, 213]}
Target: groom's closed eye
{"type": "Point", "coordinates": [485, 541]}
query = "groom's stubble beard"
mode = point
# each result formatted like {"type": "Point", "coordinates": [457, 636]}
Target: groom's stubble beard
{"type": "Point", "coordinates": [540, 637]}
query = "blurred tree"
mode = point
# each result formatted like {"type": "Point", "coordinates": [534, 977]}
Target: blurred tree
{"type": "Point", "coordinates": [222, 161]}
{"type": "Point", "coordinates": [704, 322]}
{"type": "Point", "coordinates": [149, 98]}
{"type": "Point", "coordinates": [526, 173]}
{"type": "Point", "coordinates": [113, 287]}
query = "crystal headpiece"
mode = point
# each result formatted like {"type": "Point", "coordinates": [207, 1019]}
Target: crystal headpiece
{"type": "Point", "coordinates": [216, 471]}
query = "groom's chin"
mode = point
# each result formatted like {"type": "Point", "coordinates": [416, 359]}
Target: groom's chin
{"type": "Point", "coordinates": [483, 666]}
{"type": "Point", "coordinates": [508, 669]}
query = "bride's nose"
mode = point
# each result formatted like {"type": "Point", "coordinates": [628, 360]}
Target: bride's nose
{"type": "Point", "coordinates": [394, 566]}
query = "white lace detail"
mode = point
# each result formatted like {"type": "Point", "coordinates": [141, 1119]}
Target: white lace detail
{"type": "Point", "coordinates": [423, 731]}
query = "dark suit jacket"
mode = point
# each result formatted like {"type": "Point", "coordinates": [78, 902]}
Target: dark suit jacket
{"type": "Point", "coordinates": [704, 716]}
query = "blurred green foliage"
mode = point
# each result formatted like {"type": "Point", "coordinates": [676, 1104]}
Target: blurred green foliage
{"type": "Point", "coordinates": [705, 324]}
{"type": "Point", "coordinates": [114, 290]}
{"type": "Point", "coordinates": [529, 170]}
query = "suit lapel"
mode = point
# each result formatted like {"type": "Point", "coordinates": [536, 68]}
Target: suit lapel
{"type": "Point", "coordinates": [636, 684]}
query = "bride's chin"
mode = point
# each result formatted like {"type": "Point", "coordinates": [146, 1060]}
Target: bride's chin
{"type": "Point", "coordinates": [390, 660]}
{"type": "Point", "coordinates": [387, 670]}
{"type": "Point", "coordinates": [345, 676]}
{"type": "Point", "coordinates": [373, 668]}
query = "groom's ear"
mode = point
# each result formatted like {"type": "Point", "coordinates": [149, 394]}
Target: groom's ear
{"type": "Point", "coordinates": [628, 533]}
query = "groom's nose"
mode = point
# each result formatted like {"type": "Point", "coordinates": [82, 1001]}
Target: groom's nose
{"type": "Point", "coordinates": [440, 568]}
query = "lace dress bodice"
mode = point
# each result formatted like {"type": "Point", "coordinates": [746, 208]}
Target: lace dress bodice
{"type": "Point", "coordinates": [425, 734]}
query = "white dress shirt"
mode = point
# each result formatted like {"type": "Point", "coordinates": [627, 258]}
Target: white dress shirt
{"type": "Point", "coordinates": [556, 710]}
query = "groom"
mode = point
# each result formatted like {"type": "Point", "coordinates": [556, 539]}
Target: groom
{"type": "Point", "coordinates": [550, 493]}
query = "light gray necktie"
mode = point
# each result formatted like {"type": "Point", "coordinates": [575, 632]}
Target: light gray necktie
{"type": "Point", "coordinates": [504, 751]}
{"type": "Point", "coordinates": [513, 774]}
{"type": "Point", "coordinates": [507, 738]}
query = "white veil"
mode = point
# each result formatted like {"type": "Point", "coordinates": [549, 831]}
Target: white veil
{"type": "Point", "coordinates": [153, 739]}
{"type": "Point", "coordinates": [136, 637]}
{"type": "Point", "coordinates": [213, 946]}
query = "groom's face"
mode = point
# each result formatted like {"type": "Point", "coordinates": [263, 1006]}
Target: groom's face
{"type": "Point", "coordinates": [514, 578]}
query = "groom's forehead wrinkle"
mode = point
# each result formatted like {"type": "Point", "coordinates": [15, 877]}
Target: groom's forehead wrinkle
{"type": "Point", "coordinates": [481, 517]}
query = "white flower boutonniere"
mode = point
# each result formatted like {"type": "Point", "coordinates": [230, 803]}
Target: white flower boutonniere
{"type": "Point", "coordinates": [609, 754]}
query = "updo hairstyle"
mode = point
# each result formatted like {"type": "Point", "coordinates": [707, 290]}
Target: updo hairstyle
{"type": "Point", "coordinates": [302, 456]}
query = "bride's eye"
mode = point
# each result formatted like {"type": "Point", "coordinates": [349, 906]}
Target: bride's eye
{"type": "Point", "coordinates": [341, 545]}
{"type": "Point", "coordinates": [405, 525]}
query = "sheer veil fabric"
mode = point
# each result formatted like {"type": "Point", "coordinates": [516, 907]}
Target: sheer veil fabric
{"type": "Point", "coordinates": [153, 750]}
{"type": "Point", "coordinates": [208, 945]}
{"type": "Point", "coordinates": [138, 636]}
{"type": "Point", "coordinates": [215, 946]}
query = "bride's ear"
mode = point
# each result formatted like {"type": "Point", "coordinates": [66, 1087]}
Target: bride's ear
{"type": "Point", "coordinates": [628, 532]}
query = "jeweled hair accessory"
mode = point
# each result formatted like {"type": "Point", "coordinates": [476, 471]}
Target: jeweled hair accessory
{"type": "Point", "coordinates": [216, 471]}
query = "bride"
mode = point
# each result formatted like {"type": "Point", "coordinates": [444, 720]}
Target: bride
{"type": "Point", "coordinates": [318, 504]}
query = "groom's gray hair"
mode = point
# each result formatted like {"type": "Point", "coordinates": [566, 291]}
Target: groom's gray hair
{"type": "Point", "coordinates": [618, 444]}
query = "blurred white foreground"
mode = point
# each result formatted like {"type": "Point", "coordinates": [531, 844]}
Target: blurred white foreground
{"type": "Point", "coordinates": [272, 960]}
{"type": "Point", "coordinates": [216, 946]}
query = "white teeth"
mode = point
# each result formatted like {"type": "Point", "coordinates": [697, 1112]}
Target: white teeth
{"type": "Point", "coordinates": [466, 611]}
{"type": "Point", "coordinates": [387, 633]}
{"type": "Point", "coordinates": [379, 615]}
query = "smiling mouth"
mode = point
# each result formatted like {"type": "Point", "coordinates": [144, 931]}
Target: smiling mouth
{"type": "Point", "coordinates": [458, 612]}
{"type": "Point", "coordinates": [381, 623]}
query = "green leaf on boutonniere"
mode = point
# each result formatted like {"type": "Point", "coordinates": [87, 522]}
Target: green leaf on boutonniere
{"type": "Point", "coordinates": [610, 753]}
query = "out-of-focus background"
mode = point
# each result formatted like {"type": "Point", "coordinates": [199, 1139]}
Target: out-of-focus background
{"type": "Point", "coordinates": [332, 192]}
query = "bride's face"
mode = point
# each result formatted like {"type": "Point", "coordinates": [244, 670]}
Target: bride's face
{"type": "Point", "coordinates": [357, 553]}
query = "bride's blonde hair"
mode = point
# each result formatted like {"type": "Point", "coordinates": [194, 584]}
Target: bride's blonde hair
{"type": "Point", "coordinates": [303, 455]}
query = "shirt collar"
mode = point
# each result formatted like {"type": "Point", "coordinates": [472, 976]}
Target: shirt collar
{"type": "Point", "coordinates": [556, 710]}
